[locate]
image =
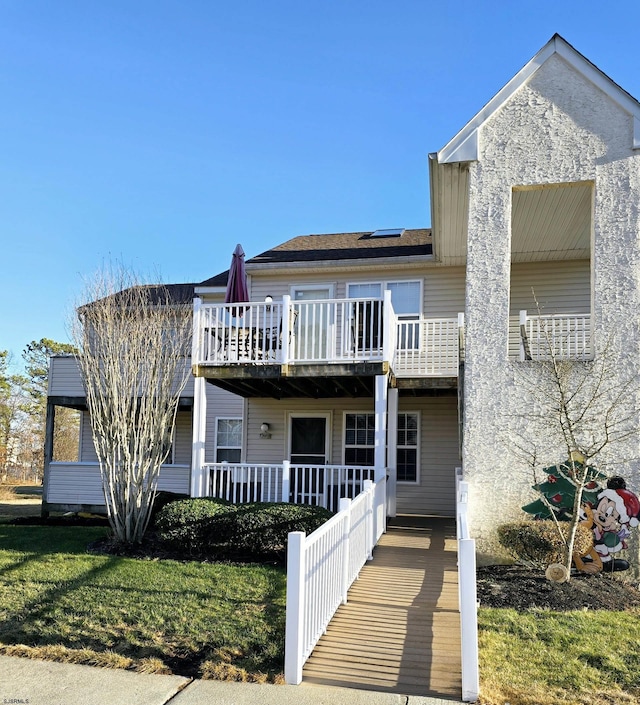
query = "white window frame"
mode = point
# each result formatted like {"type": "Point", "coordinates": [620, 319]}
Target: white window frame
{"type": "Point", "coordinates": [309, 287]}
{"type": "Point", "coordinates": [384, 285]}
{"type": "Point", "coordinates": [351, 412]}
{"type": "Point", "coordinates": [216, 447]}
{"type": "Point", "coordinates": [417, 447]}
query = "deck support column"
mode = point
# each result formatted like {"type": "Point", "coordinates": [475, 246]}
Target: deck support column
{"type": "Point", "coordinates": [380, 408]}
{"type": "Point", "coordinates": [392, 451]}
{"type": "Point", "coordinates": [48, 455]}
{"type": "Point", "coordinates": [198, 472]}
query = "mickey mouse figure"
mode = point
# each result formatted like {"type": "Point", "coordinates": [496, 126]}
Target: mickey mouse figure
{"type": "Point", "coordinates": [617, 511]}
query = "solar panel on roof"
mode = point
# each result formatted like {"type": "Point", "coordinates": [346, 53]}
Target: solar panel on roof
{"type": "Point", "coordinates": [390, 232]}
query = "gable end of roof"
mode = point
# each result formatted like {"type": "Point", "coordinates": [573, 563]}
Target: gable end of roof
{"type": "Point", "coordinates": [464, 146]}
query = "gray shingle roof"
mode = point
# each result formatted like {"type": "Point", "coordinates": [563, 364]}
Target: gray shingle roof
{"type": "Point", "coordinates": [360, 245]}
{"type": "Point", "coordinates": [337, 246]}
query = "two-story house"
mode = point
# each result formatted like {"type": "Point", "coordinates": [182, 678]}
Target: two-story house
{"type": "Point", "coordinates": [395, 352]}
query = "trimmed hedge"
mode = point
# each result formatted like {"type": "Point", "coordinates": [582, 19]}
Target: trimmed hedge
{"type": "Point", "coordinates": [262, 528]}
{"type": "Point", "coordinates": [183, 525]}
{"type": "Point", "coordinates": [540, 543]}
{"type": "Point", "coordinates": [213, 528]}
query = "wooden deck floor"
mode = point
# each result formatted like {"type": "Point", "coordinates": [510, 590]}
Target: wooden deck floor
{"type": "Point", "coordinates": [400, 631]}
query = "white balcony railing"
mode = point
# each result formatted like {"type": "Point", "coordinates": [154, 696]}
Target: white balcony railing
{"type": "Point", "coordinates": [567, 336]}
{"type": "Point", "coordinates": [428, 347]}
{"type": "Point", "coordinates": [324, 331]}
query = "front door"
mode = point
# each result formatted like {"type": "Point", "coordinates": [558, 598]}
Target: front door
{"type": "Point", "coordinates": [308, 447]}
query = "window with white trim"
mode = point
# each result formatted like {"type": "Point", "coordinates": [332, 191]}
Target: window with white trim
{"type": "Point", "coordinates": [359, 443]}
{"type": "Point", "coordinates": [406, 296]}
{"type": "Point", "coordinates": [359, 439]}
{"type": "Point", "coordinates": [407, 450]}
{"type": "Point", "coordinates": [228, 440]}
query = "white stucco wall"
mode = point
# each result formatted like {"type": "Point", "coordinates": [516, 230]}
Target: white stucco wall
{"type": "Point", "coordinates": [557, 128]}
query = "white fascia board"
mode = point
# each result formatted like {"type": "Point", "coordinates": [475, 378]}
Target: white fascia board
{"type": "Point", "coordinates": [464, 146]}
{"type": "Point", "coordinates": [466, 141]}
{"type": "Point", "coordinates": [210, 289]}
{"type": "Point", "coordinates": [434, 182]}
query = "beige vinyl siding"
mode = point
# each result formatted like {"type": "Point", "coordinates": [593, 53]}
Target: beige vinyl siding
{"type": "Point", "coordinates": [560, 287]}
{"type": "Point", "coordinates": [220, 404]}
{"type": "Point", "coordinates": [443, 287]}
{"type": "Point", "coordinates": [439, 457]}
{"type": "Point", "coordinates": [182, 439]}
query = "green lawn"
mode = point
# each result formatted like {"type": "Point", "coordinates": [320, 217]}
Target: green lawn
{"type": "Point", "coordinates": [207, 620]}
{"type": "Point", "coordinates": [539, 657]}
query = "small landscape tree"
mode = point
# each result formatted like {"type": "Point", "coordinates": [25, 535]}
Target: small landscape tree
{"type": "Point", "coordinates": [585, 410]}
{"type": "Point", "coordinates": [132, 344]}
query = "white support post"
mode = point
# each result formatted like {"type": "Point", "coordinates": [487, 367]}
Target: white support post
{"type": "Point", "coordinates": [468, 619]}
{"type": "Point", "coordinates": [286, 481]}
{"type": "Point", "coordinates": [380, 448]}
{"type": "Point", "coordinates": [195, 340]}
{"type": "Point", "coordinates": [380, 409]}
{"type": "Point", "coordinates": [392, 451]}
{"type": "Point", "coordinates": [345, 506]}
{"type": "Point", "coordinates": [295, 608]}
{"type": "Point", "coordinates": [286, 330]}
{"type": "Point", "coordinates": [198, 472]}
{"type": "Point", "coordinates": [389, 327]}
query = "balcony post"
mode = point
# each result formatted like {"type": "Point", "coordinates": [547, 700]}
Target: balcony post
{"type": "Point", "coordinates": [392, 451]}
{"type": "Point", "coordinates": [286, 481]}
{"type": "Point", "coordinates": [195, 341]}
{"type": "Point", "coordinates": [389, 327]}
{"type": "Point", "coordinates": [286, 330]}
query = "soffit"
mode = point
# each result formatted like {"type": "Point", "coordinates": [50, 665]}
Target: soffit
{"type": "Point", "coordinates": [551, 223]}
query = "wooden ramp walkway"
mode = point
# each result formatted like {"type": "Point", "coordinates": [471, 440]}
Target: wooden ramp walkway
{"type": "Point", "coordinates": [400, 630]}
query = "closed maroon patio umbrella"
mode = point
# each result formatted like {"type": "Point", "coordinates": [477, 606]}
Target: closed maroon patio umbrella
{"type": "Point", "coordinates": [237, 290]}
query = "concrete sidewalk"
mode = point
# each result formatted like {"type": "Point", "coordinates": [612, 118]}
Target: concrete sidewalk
{"type": "Point", "coordinates": [27, 681]}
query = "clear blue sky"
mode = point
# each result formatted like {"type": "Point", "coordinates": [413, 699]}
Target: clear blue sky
{"type": "Point", "coordinates": [163, 132]}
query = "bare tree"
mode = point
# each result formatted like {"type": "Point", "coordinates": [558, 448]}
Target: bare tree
{"type": "Point", "coordinates": [586, 409]}
{"type": "Point", "coordinates": [133, 343]}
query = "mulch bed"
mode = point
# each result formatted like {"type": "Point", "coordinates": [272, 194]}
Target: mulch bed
{"type": "Point", "coordinates": [521, 588]}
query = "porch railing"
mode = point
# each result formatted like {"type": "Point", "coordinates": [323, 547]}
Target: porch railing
{"type": "Point", "coordinates": [567, 337]}
{"type": "Point", "coordinates": [321, 485]}
{"type": "Point", "coordinates": [467, 595]}
{"type": "Point", "coordinates": [321, 568]}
